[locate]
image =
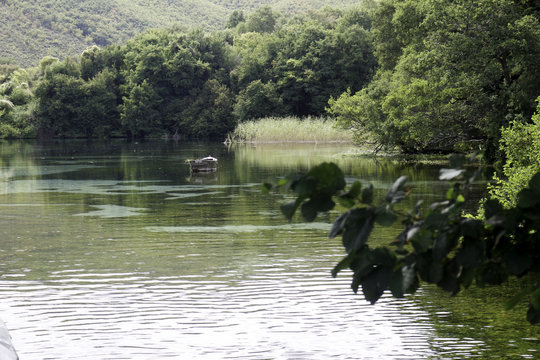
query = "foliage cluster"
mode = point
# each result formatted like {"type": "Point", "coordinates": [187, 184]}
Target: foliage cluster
{"type": "Point", "coordinates": [193, 84]}
{"type": "Point", "coordinates": [17, 114]}
{"type": "Point", "coordinates": [439, 246]}
{"type": "Point", "coordinates": [520, 143]}
{"type": "Point", "coordinates": [450, 74]}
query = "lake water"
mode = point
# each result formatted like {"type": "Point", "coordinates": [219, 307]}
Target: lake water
{"type": "Point", "coordinates": [113, 251]}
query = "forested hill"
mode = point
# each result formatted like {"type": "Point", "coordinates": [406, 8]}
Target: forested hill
{"type": "Point", "coordinates": [32, 29]}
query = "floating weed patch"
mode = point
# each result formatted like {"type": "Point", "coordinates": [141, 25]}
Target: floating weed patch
{"type": "Point", "coordinates": [173, 196]}
{"type": "Point", "coordinates": [114, 211]}
{"type": "Point", "coordinates": [108, 187]}
{"type": "Point", "coordinates": [22, 171]}
{"type": "Point", "coordinates": [239, 228]}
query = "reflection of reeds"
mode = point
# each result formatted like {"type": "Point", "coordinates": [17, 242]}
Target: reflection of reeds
{"type": "Point", "coordinates": [293, 155]}
{"type": "Point", "coordinates": [290, 129]}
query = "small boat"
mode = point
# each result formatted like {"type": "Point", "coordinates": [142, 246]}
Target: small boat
{"type": "Point", "coordinates": [207, 164]}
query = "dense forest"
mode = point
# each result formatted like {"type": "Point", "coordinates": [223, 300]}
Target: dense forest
{"type": "Point", "coordinates": [188, 82]}
{"type": "Point", "coordinates": [418, 76]}
{"type": "Point", "coordinates": [31, 29]}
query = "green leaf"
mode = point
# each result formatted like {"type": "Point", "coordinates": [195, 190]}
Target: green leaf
{"type": "Point", "coordinates": [306, 186]}
{"type": "Point", "coordinates": [396, 284]}
{"type": "Point", "coordinates": [472, 228]}
{"type": "Point", "coordinates": [526, 198]}
{"type": "Point", "coordinates": [410, 280]}
{"type": "Point", "coordinates": [452, 193]}
{"type": "Point", "coordinates": [315, 205]}
{"type": "Point", "coordinates": [436, 272]}
{"type": "Point", "coordinates": [534, 183]}
{"type": "Point", "coordinates": [383, 256]}
{"type": "Point", "coordinates": [343, 264]}
{"type": "Point", "coordinates": [339, 224]}
{"type": "Point", "coordinates": [443, 244]}
{"type": "Point", "coordinates": [535, 299]}
{"type": "Point", "coordinates": [403, 280]}
{"type": "Point", "coordinates": [533, 315]}
{"type": "Point", "coordinates": [361, 265]}
{"type": "Point", "coordinates": [355, 190]}
{"type": "Point", "coordinates": [375, 283]}
{"type": "Point", "coordinates": [290, 208]}
{"type": "Point", "coordinates": [367, 195]}
{"type": "Point", "coordinates": [422, 241]}
{"type": "Point", "coordinates": [330, 178]}
{"type": "Point", "coordinates": [435, 221]}
{"type": "Point", "coordinates": [471, 254]}
{"type": "Point", "coordinates": [385, 217]}
{"type": "Point", "coordinates": [348, 199]}
{"type": "Point", "coordinates": [358, 228]}
{"type": "Point", "coordinates": [395, 193]}
{"type": "Point", "coordinates": [309, 211]}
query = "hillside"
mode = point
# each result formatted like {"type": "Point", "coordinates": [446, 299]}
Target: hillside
{"type": "Point", "coordinates": [32, 29]}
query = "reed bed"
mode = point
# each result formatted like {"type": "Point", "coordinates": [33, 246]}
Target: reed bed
{"type": "Point", "coordinates": [289, 129]}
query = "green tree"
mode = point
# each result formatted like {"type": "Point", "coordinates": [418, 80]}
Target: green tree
{"type": "Point", "coordinates": [210, 114]}
{"type": "Point", "coordinates": [140, 114]}
{"type": "Point", "coordinates": [255, 53]}
{"type": "Point", "coordinates": [236, 17]}
{"type": "Point", "coordinates": [98, 115]}
{"type": "Point", "coordinates": [258, 100]}
{"type": "Point", "coordinates": [520, 143]}
{"type": "Point", "coordinates": [322, 58]}
{"type": "Point", "coordinates": [453, 74]}
{"type": "Point", "coordinates": [262, 20]}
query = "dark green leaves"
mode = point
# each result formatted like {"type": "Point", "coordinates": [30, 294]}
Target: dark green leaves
{"type": "Point", "coordinates": [314, 191]}
{"type": "Point", "coordinates": [385, 216]}
{"type": "Point", "coordinates": [330, 178]}
{"type": "Point", "coordinates": [348, 199]}
{"type": "Point", "coordinates": [375, 284]}
{"type": "Point", "coordinates": [441, 247]}
{"type": "Point", "coordinates": [316, 204]}
{"type": "Point", "coordinates": [396, 192]}
{"type": "Point", "coordinates": [367, 195]}
{"type": "Point", "coordinates": [357, 228]}
{"type": "Point", "coordinates": [290, 208]}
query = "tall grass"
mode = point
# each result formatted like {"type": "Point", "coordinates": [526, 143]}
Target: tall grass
{"type": "Point", "coordinates": [289, 129]}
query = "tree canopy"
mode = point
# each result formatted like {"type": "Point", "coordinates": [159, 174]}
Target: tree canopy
{"type": "Point", "coordinates": [196, 84]}
{"type": "Point", "coordinates": [450, 74]}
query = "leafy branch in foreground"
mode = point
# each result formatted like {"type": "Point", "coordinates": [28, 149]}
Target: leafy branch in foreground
{"type": "Point", "coordinates": [439, 245]}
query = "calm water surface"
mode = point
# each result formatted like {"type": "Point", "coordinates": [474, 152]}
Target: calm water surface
{"type": "Point", "coordinates": [113, 251]}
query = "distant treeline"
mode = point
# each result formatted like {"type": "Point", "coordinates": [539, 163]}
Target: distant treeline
{"type": "Point", "coordinates": [187, 82]}
{"type": "Point", "coordinates": [422, 76]}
